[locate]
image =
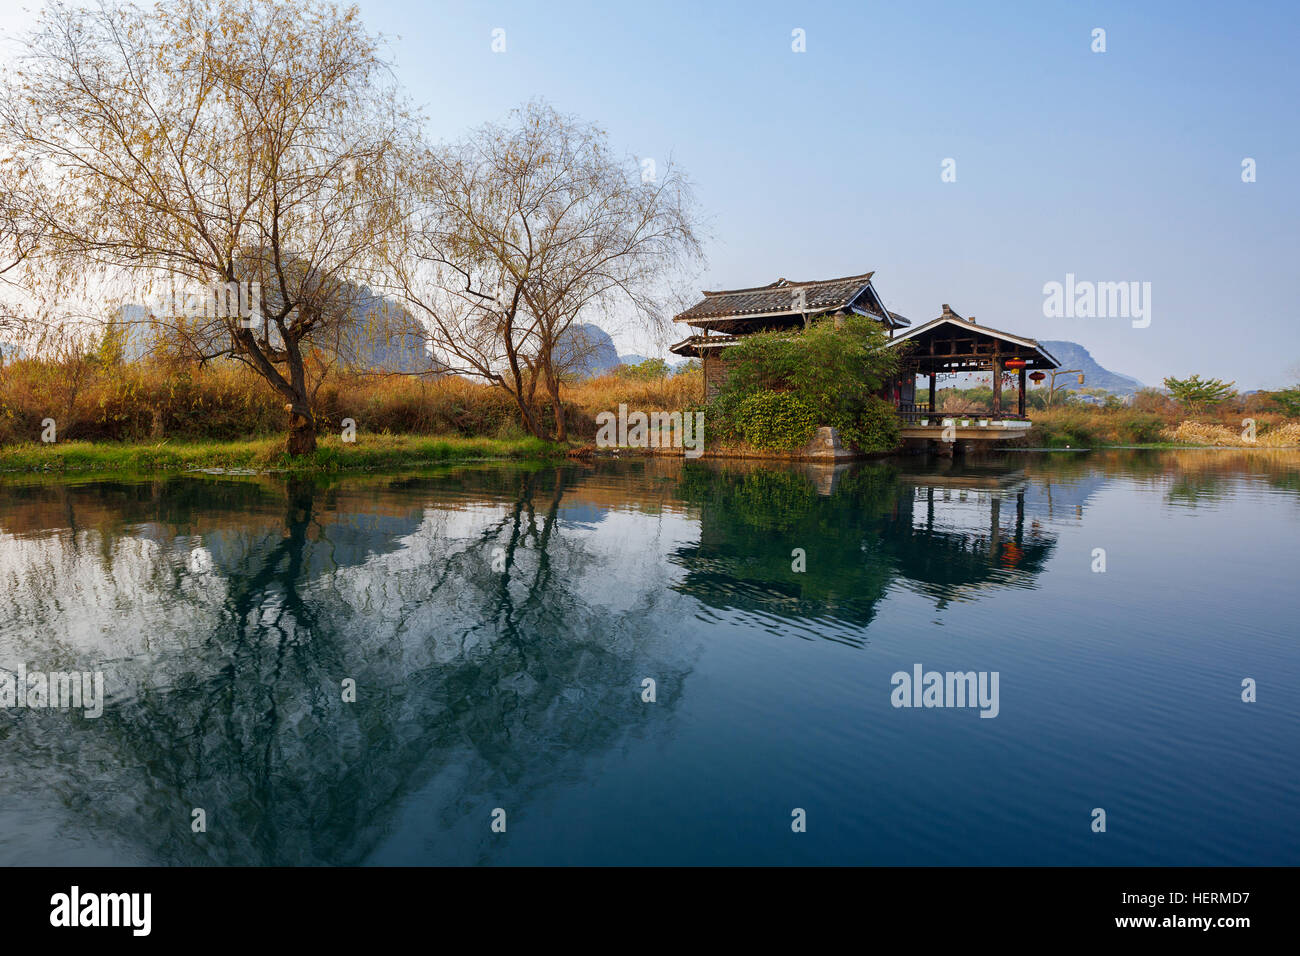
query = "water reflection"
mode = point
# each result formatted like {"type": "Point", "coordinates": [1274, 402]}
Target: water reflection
{"type": "Point", "coordinates": [498, 623]}
{"type": "Point", "coordinates": [861, 530]}
{"type": "Point", "coordinates": [227, 614]}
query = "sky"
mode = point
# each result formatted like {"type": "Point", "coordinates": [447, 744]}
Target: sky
{"type": "Point", "coordinates": [1115, 166]}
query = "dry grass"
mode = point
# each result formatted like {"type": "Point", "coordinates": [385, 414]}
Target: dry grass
{"type": "Point", "coordinates": [147, 403]}
{"type": "Point", "coordinates": [142, 405]}
{"type": "Point", "coordinates": [1082, 426]}
{"type": "Point", "coordinates": [601, 394]}
{"type": "Point", "coordinates": [1284, 435]}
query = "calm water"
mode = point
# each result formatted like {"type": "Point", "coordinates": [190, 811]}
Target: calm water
{"type": "Point", "coordinates": [499, 623]}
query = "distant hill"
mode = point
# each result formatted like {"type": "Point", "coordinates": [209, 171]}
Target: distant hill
{"type": "Point", "coordinates": [1074, 355]}
{"type": "Point", "coordinates": [586, 350]}
{"type": "Point", "coordinates": [634, 358]}
{"type": "Point", "coordinates": [380, 335]}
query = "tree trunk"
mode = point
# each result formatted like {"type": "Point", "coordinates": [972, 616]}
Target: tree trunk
{"type": "Point", "coordinates": [560, 430]}
{"type": "Point", "coordinates": [553, 386]}
{"type": "Point", "coordinates": [526, 416]}
{"type": "Point", "coordinates": [302, 431]}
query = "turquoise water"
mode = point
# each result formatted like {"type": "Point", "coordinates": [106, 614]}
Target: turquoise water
{"type": "Point", "coordinates": [500, 624]}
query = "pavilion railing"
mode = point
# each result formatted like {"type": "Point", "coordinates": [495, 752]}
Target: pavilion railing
{"type": "Point", "coordinates": [913, 413]}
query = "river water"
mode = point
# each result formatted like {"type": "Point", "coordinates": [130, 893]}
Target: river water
{"type": "Point", "coordinates": [657, 662]}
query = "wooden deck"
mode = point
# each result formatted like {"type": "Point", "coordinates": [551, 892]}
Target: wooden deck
{"type": "Point", "coordinates": [993, 431]}
{"type": "Point", "coordinates": [973, 429]}
{"type": "Point", "coordinates": [919, 422]}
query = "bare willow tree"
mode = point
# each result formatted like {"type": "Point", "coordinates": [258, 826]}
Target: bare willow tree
{"type": "Point", "coordinates": [514, 233]}
{"type": "Point", "coordinates": [16, 246]}
{"type": "Point", "coordinates": [211, 145]}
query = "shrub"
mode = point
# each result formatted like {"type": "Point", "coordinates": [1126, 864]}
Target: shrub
{"type": "Point", "coordinates": [1198, 394]}
{"type": "Point", "coordinates": [874, 427]}
{"type": "Point", "coordinates": [1287, 401]}
{"type": "Point", "coordinates": [777, 421]}
{"type": "Point", "coordinates": [647, 371]}
{"type": "Point", "coordinates": [1141, 428]}
{"type": "Point", "coordinates": [1068, 426]}
{"type": "Point", "coordinates": [832, 369]}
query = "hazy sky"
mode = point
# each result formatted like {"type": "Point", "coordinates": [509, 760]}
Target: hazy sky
{"type": "Point", "coordinates": [1117, 166]}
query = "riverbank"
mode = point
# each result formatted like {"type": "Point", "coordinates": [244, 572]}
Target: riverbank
{"type": "Point", "coordinates": [267, 454]}
{"type": "Point", "coordinates": [380, 452]}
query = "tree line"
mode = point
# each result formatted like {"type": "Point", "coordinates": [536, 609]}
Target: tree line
{"type": "Point", "coordinates": [265, 145]}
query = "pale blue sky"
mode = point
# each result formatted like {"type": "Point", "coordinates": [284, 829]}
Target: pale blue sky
{"type": "Point", "coordinates": [1115, 166]}
{"type": "Point", "coordinates": [1123, 165]}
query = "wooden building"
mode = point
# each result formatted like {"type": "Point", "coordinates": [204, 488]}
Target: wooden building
{"type": "Point", "coordinates": [945, 345]}
{"type": "Point", "coordinates": [722, 318]}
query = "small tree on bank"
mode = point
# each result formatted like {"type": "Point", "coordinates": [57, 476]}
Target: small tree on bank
{"type": "Point", "coordinates": [1197, 394]}
{"type": "Point", "coordinates": [1288, 400]}
{"type": "Point", "coordinates": [209, 144]}
{"type": "Point", "coordinates": [520, 231]}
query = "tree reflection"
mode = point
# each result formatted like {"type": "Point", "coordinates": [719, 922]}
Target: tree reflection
{"type": "Point", "coordinates": [476, 653]}
{"type": "Point", "coordinates": [497, 622]}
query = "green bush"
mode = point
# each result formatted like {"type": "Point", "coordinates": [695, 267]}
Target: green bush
{"type": "Point", "coordinates": [797, 379]}
{"type": "Point", "coordinates": [872, 427]}
{"type": "Point", "coordinates": [1141, 428]}
{"type": "Point", "coordinates": [776, 421]}
{"type": "Point", "coordinates": [1287, 400]}
{"type": "Point", "coordinates": [648, 371]}
{"type": "Point", "coordinates": [1072, 429]}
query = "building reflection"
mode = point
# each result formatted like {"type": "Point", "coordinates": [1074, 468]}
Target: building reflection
{"type": "Point", "coordinates": [498, 623]}
{"type": "Point", "coordinates": [965, 531]}
{"type": "Point", "coordinates": [863, 529]}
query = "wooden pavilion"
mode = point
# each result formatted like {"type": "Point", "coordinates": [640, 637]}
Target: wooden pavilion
{"type": "Point", "coordinates": [948, 344]}
{"type": "Point", "coordinates": [953, 344]}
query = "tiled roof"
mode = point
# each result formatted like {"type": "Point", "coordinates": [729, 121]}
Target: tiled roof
{"type": "Point", "coordinates": [823, 295]}
{"type": "Point", "coordinates": [691, 344]}
{"type": "Point", "coordinates": [951, 317]}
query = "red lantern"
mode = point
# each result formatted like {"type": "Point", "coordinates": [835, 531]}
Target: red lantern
{"type": "Point", "coordinates": [1036, 376]}
{"type": "Point", "coordinates": [1015, 363]}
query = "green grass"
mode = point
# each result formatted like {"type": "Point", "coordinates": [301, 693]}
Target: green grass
{"type": "Point", "coordinates": [268, 454]}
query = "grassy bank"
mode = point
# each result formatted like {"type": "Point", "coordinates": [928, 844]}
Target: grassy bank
{"type": "Point", "coordinates": [145, 417]}
{"type": "Point", "coordinates": [372, 452]}
{"type": "Point", "coordinates": [1085, 427]}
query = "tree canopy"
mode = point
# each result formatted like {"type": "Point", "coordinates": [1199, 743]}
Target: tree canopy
{"type": "Point", "coordinates": [242, 146]}
{"type": "Point", "coordinates": [1198, 394]}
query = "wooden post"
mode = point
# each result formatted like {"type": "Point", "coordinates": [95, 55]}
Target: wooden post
{"type": "Point", "coordinates": [933, 376]}
{"type": "Point", "coordinates": [995, 527]}
{"type": "Point", "coordinates": [1020, 402]}
{"type": "Point", "coordinates": [997, 385]}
